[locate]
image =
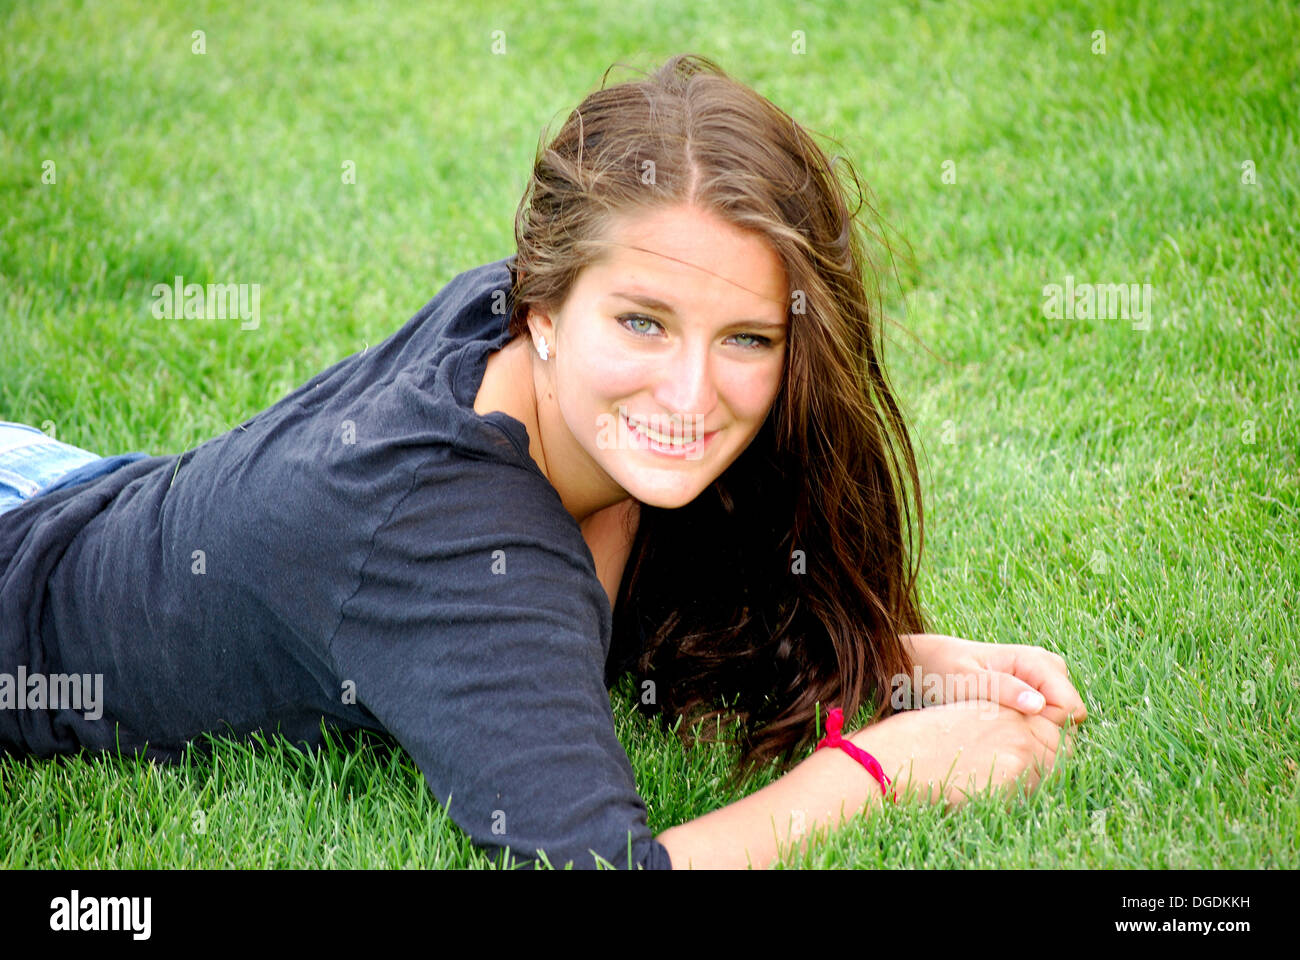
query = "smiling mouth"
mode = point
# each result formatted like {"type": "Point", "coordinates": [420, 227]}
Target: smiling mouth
{"type": "Point", "coordinates": [667, 440]}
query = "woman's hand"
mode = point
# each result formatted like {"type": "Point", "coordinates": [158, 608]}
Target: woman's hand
{"type": "Point", "coordinates": [1000, 673]}
{"type": "Point", "coordinates": [956, 750]}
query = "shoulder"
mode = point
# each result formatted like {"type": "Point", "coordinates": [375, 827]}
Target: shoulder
{"type": "Point", "coordinates": [484, 535]}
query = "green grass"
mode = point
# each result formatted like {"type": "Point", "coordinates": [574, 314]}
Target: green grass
{"type": "Point", "coordinates": [1127, 498]}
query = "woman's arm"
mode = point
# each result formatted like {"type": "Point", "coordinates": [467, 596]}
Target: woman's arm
{"type": "Point", "coordinates": [476, 644]}
{"type": "Point", "coordinates": [946, 752]}
{"type": "Point", "coordinates": [745, 833]}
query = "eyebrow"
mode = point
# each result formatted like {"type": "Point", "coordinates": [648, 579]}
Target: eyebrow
{"type": "Point", "coordinates": [653, 303]}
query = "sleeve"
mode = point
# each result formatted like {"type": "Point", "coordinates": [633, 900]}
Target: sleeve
{"type": "Point", "coordinates": [478, 646]}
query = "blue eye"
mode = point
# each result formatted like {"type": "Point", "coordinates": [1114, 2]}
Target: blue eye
{"type": "Point", "coordinates": [759, 342]}
{"type": "Point", "coordinates": [633, 318]}
{"type": "Point", "coordinates": [756, 342]}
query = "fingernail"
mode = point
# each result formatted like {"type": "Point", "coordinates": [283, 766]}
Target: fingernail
{"type": "Point", "coordinates": [1030, 700]}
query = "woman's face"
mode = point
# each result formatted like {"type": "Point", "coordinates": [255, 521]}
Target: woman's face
{"type": "Point", "coordinates": [668, 356]}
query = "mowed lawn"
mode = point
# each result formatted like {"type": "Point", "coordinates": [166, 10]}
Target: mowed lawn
{"type": "Point", "coordinates": [1120, 489]}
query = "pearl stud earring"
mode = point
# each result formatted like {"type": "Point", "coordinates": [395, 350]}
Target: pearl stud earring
{"type": "Point", "coordinates": [542, 351]}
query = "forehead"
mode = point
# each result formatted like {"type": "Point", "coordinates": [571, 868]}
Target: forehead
{"type": "Point", "coordinates": [684, 254]}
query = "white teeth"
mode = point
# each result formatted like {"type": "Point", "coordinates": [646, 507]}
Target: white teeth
{"type": "Point", "coordinates": [658, 437]}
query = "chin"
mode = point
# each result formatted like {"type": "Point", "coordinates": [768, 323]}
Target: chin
{"type": "Point", "coordinates": [664, 503]}
{"type": "Point", "coordinates": [666, 497]}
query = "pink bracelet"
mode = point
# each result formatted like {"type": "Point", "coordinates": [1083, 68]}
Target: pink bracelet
{"type": "Point", "coordinates": [834, 724]}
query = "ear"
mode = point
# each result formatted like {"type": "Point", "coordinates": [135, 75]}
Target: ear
{"type": "Point", "coordinates": [541, 325]}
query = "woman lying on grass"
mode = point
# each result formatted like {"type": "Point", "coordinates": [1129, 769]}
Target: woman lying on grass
{"type": "Point", "coordinates": [658, 438]}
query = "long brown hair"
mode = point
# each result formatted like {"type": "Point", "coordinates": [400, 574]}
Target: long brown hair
{"type": "Point", "coordinates": [783, 587]}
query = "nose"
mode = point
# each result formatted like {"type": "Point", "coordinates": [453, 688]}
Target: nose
{"type": "Point", "coordinates": [686, 384]}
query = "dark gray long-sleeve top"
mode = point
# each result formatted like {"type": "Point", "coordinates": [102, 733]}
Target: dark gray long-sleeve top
{"type": "Point", "coordinates": [369, 552]}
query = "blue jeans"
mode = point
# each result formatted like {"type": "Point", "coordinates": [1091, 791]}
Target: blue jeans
{"type": "Point", "coordinates": [32, 463]}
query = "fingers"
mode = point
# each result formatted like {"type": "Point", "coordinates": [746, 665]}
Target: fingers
{"type": "Point", "coordinates": [1052, 740]}
{"type": "Point", "coordinates": [977, 745]}
{"type": "Point", "coordinates": [1054, 685]}
{"type": "Point", "coordinates": [1027, 752]}
{"type": "Point", "coordinates": [1004, 775]}
{"type": "Point", "coordinates": [1045, 672]}
{"type": "Point", "coordinates": [1005, 689]}
{"type": "Point", "coordinates": [1058, 716]}
{"type": "Point", "coordinates": [1045, 742]}
{"type": "Point", "coordinates": [1047, 733]}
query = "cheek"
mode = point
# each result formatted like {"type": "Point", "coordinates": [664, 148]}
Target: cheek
{"type": "Point", "coordinates": [749, 389]}
{"type": "Point", "coordinates": [593, 379]}
{"type": "Point", "coordinates": [596, 388]}
{"type": "Point", "coordinates": [600, 373]}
